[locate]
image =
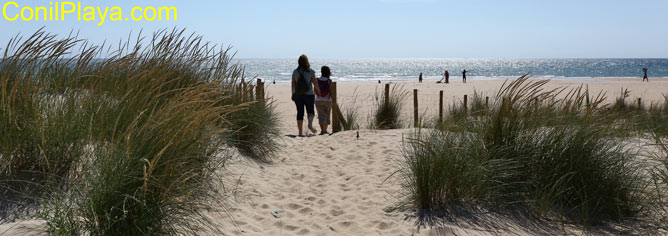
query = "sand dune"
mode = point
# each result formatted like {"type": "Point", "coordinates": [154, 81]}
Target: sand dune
{"type": "Point", "coordinates": [342, 185]}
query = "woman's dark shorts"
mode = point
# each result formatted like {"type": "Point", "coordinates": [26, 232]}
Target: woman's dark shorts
{"type": "Point", "coordinates": [304, 101]}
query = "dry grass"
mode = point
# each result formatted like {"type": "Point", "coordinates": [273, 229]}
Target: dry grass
{"type": "Point", "coordinates": [132, 144]}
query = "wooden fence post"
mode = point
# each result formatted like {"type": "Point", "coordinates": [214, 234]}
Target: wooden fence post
{"type": "Point", "coordinates": [487, 102]}
{"type": "Point", "coordinates": [639, 103]}
{"type": "Point", "coordinates": [243, 90]}
{"type": "Point", "coordinates": [415, 108]}
{"type": "Point", "coordinates": [250, 92]}
{"type": "Point", "coordinates": [466, 99]}
{"type": "Point", "coordinates": [336, 127]}
{"type": "Point", "coordinates": [440, 106]}
{"type": "Point", "coordinates": [387, 93]}
{"type": "Point", "coordinates": [259, 90]}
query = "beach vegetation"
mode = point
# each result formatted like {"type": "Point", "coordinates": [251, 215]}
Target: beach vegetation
{"type": "Point", "coordinates": [130, 141]}
{"type": "Point", "coordinates": [550, 152]}
{"type": "Point", "coordinates": [387, 110]}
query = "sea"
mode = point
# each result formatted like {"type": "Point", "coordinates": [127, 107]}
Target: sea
{"type": "Point", "coordinates": [280, 70]}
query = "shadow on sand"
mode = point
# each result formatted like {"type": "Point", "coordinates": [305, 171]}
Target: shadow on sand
{"type": "Point", "coordinates": [480, 221]}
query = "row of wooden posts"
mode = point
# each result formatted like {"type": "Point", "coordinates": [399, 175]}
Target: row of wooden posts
{"type": "Point", "coordinates": [416, 115]}
{"type": "Point", "coordinates": [338, 121]}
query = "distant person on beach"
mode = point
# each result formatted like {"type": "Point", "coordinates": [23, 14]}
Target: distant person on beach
{"type": "Point", "coordinates": [323, 101]}
{"type": "Point", "coordinates": [303, 85]}
{"type": "Point", "coordinates": [464, 75]}
{"type": "Point", "coordinates": [644, 70]}
{"type": "Point", "coordinates": [420, 79]}
{"type": "Point", "coordinates": [446, 78]}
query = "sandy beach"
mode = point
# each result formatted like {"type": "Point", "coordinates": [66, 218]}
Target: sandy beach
{"type": "Point", "coordinates": [341, 185]}
{"type": "Point", "coordinates": [344, 185]}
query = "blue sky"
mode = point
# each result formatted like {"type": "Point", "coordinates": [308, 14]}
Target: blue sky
{"type": "Point", "coordinates": [398, 28]}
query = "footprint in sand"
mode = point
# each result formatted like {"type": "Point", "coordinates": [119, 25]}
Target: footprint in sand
{"type": "Point", "coordinates": [294, 206]}
{"type": "Point", "coordinates": [336, 212]}
{"type": "Point", "coordinates": [346, 224]}
{"type": "Point", "coordinates": [311, 198]}
{"type": "Point", "coordinates": [303, 232]}
{"type": "Point", "coordinates": [291, 228]}
{"type": "Point", "coordinates": [383, 226]}
{"type": "Point", "coordinates": [322, 202]}
{"type": "Point", "coordinates": [305, 211]}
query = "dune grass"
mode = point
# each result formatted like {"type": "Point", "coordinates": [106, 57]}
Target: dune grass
{"type": "Point", "coordinates": [387, 112]}
{"type": "Point", "coordinates": [548, 151]}
{"type": "Point", "coordinates": [133, 144]}
{"type": "Point", "coordinates": [40, 130]}
{"type": "Point", "coordinates": [457, 117]}
{"type": "Point", "coordinates": [656, 119]}
{"type": "Point", "coordinates": [253, 130]}
{"type": "Point", "coordinates": [351, 114]}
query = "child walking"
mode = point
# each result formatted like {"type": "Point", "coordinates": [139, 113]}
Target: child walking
{"type": "Point", "coordinates": [323, 101]}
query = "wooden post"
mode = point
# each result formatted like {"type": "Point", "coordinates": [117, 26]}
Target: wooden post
{"type": "Point", "coordinates": [335, 119]}
{"type": "Point", "coordinates": [387, 93]}
{"type": "Point", "coordinates": [440, 106]}
{"type": "Point", "coordinates": [259, 90]}
{"type": "Point", "coordinates": [639, 103]}
{"type": "Point", "coordinates": [466, 99]}
{"type": "Point", "coordinates": [239, 91]}
{"type": "Point", "coordinates": [250, 92]}
{"type": "Point", "coordinates": [243, 89]}
{"type": "Point", "coordinates": [415, 108]}
{"type": "Point", "coordinates": [487, 102]}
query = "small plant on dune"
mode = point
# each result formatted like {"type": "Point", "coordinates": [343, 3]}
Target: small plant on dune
{"type": "Point", "coordinates": [351, 114]}
{"type": "Point", "coordinates": [387, 113]}
{"type": "Point", "coordinates": [542, 149]}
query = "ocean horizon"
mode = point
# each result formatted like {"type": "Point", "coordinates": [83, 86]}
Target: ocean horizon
{"type": "Point", "coordinates": [405, 69]}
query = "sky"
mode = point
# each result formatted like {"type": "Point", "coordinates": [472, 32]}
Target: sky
{"type": "Point", "coordinates": [391, 28]}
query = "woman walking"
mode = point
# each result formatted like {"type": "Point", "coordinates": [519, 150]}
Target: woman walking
{"type": "Point", "coordinates": [304, 89]}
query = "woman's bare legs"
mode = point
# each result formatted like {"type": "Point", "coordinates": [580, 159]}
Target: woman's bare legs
{"type": "Point", "coordinates": [300, 123]}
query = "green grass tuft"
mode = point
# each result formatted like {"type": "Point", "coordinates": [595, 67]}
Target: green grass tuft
{"type": "Point", "coordinates": [387, 113]}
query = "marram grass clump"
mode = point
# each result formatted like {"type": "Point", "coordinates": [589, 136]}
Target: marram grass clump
{"type": "Point", "coordinates": [547, 151]}
{"type": "Point", "coordinates": [130, 142]}
{"type": "Point", "coordinates": [387, 113]}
